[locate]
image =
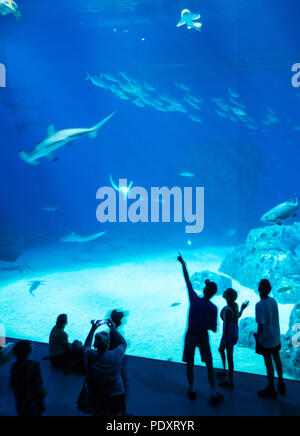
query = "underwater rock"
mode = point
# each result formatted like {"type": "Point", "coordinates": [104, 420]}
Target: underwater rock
{"type": "Point", "coordinates": [272, 253]}
{"type": "Point", "coordinates": [198, 281]}
{"type": "Point", "coordinates": [10, 249]}
{"type": "Point", "coordinates": [248, 327]}
{"type": "Point", "coordinates": [9, 255]}
{"type": "Point", "coordinates": [291, 345]}
{"type": "Point", "coordinates": [295, 316]}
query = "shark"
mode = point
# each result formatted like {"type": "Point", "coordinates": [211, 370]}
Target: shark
{"type": "Point", "coordinates": [34, 285]}
{"type": "Point", "coordinates": [189, 19]}
{"type": "Point", "coordinates": [9, 7]}
{"type": "Point", "coordinates": [73, 237]}
{"type": "Point", "coordinates": [56, 140]}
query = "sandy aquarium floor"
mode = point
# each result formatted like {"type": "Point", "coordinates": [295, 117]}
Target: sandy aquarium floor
{"type": "Point", "coordinates": [87, 284]}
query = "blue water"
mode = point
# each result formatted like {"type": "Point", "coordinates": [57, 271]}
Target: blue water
{"type": "Point", "coordinates": [248, 48]}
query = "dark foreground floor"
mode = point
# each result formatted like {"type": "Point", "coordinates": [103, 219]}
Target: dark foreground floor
{"type": "Point", "coordinates": [157, 389]}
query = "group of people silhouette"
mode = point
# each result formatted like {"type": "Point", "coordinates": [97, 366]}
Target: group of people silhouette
{"type": "Point", "coordinates": [101, 359]}
{"type": "Point", "coordinates": [203, 318]}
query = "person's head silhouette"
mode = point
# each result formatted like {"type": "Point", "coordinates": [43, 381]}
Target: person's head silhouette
{"type": "Point", "coordinates": [62, 321]}
{"type": "Point", "coordinates": [210, 289]}
{"type": "Point", "coordinates": [230, 295]}
{"type": "Point", "coordinates": [22, 350]}
{"type": "Point", "coordinates": [264, 288]}
{"type": "Point", "coordinates": [102, 342]}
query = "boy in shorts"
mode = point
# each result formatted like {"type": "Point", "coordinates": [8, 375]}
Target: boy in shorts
{"type": "Point", "coordinates": [202, 318]}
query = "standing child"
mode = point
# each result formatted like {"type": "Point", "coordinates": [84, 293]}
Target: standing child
{"type": "Point", "coordinates": [202, 319]}
{"type": "Point", "coordinates": [230, 316]}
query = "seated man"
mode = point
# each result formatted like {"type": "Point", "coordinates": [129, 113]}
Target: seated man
{"type": "Point", "coordinates": [60, 349]}
{"type": "Point", "coordinates": [64, 355]}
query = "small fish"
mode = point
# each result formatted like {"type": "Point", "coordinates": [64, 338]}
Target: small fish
{"type": "Point", "coordinates": [223, 106]}
{"type": "Point", "coordinates": [125, 76]}
{"type": "Point", "coordinates": [183, 87]}
{"type": "Point", "coordinates": [285, 289]}
{"type": "Point", "coordinates": [187, 174]}
{"type": "Point", "coordinates": [222, 114]}
{"type": "Point", "coordinates": [149, 87]}
{"type": "Point", "coordinates": [175, 304]}
{"type": "Point", "coordinates": [50, 209]}
{"type": "Point", "coordinates": [239, 111]}
{"type": "Point", "coordinates": [233, 93]}
{"type": "Point", "coordinates": [192, 103]}
{"type": "Point", "coordinates": [195, 118]}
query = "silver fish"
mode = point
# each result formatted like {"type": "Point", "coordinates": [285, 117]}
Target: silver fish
{"type": "Point", "coordinates": [281, 213]}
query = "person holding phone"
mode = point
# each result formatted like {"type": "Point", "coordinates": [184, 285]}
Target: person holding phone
{"type": "Point", "coordinates": [104, 378]}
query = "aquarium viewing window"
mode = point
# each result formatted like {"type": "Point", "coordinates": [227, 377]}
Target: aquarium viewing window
{"type": "Point", "coordinates": [131, 130]}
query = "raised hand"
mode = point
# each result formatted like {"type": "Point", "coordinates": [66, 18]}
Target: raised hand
{"type": "Point", "coordinates": [244, 306]}
{"type": "Point", "coordinates": [180, 259]}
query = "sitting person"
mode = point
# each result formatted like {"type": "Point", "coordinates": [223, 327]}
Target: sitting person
{"type": "Point", "coordinates": [105, 382]}
{"type": "Point", "coordinates": [64, 355]}
{"type": "Point", "coordinates": [27, 383]}
{"type": "Point", "coordinates": [59, 346]}
{"type": "Point", "coordinates": [230, 316]}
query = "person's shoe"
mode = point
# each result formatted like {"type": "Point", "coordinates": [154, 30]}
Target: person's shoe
{"type": "Point", "coordinates": [192, 395]}
{"type": "Point", "coordinates": [226, 384]}
{"type": "Point", "coordinates": [217, 399]}
{"type": "Point", "coordinates": [282, 388]}
{"type": "Point", "coordinates": [269, 392]}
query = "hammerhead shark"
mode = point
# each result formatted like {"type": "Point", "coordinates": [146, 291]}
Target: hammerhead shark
{"type": "Point", "coordinates": [190, 20]}
{"type": "Point", "coordinates": [56, 140]}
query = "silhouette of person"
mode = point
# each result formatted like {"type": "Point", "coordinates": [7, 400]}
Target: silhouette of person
{"type": "Point", "coordinates": [64, 355]}
{"type": "Point", "coordinates": [202, 318]}
{"type": "Point", "coordinates": [105, 382]}
{"type": "Point", "coordinates": [27, 383]}
{"type": "Point", "coordinates": [230, 316]}
{"type": "Point", "coordinates": [268, 339]}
